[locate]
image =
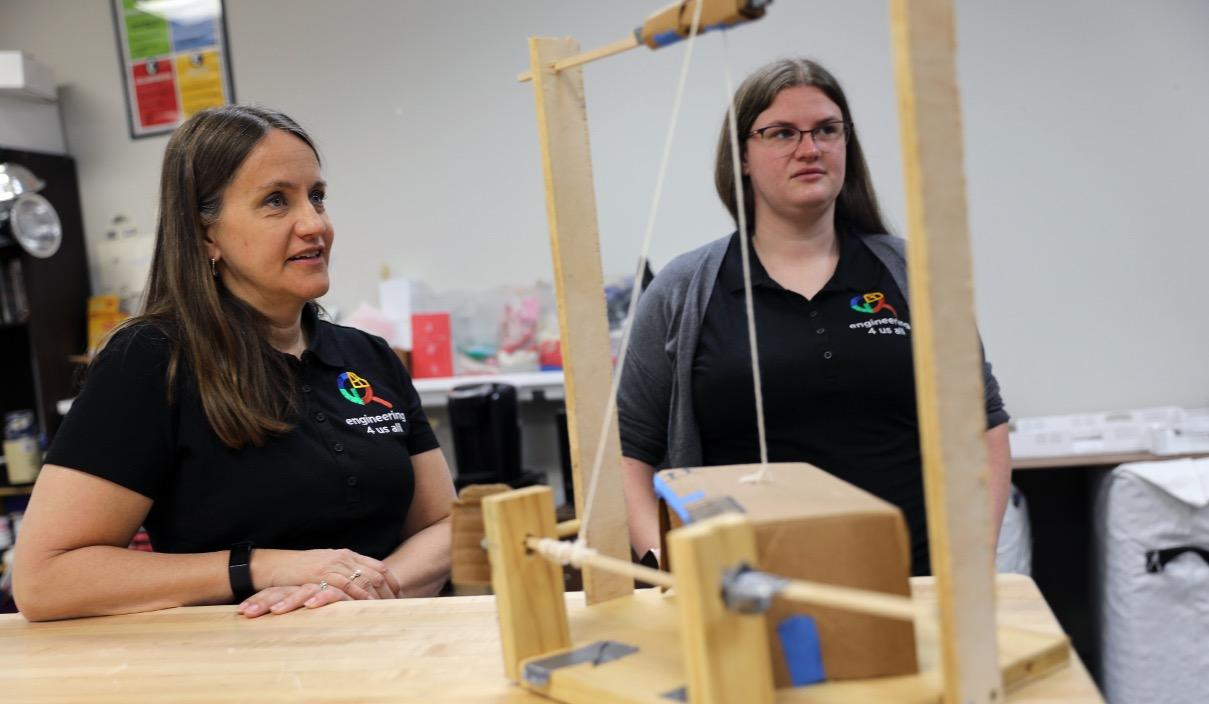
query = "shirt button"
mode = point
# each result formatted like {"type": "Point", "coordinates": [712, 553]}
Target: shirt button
{"type": "Point", "coordinates": [351, 481]}
{"type": "Point", "coordinates": [827, 354]}
{"type": "Point", "coordinates": [306, 388]}
{"type": "Point", "coordinates": [814, 314]}
{"type": "Point", "coordinates": [320, 417]}
{"type": "Point", "coordinates": [820, 331]}
{"type": "Point", "coordinates": [339, 447]}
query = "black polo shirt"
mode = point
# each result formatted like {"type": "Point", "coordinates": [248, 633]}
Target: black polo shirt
{"type": "Point", "coordinates": [340, 478]}
{"type": "Point", "coordinates": [837, 378]}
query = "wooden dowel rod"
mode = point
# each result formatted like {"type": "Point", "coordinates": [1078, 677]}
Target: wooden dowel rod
{"type": "Point", "coordinates": [588, 56]}
{"type": "Point", "coordinates": [553, 549]}
{"type": "Point", "coordinates": [849, 599]}
{"type": "Point", "coordinates": [814, 593]}
{"type": "Point", "coordinates": [566, 529]}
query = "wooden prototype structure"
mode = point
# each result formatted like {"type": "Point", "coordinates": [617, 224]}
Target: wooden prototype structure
{"type": "Point", "coordinates": [694, 643]}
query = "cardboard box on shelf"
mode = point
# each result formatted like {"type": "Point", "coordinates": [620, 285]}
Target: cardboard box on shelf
{"type": "Point", "coordinates": [431, 346]}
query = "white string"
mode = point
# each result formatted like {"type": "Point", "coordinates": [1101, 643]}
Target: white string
{"type": "Point", "coordinates": [611, 406]}
{"type": "Point", "coordinates": [741, 211]}
{"type": "Point", "coordinates": [565, 552]}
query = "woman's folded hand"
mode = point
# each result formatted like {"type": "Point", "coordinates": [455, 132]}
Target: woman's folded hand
{"type": "Point", "coordinates": [352, 573]}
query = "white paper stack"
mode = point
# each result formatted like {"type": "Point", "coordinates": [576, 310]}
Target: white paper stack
{"type": "Point", "coordinates": [1164, 430]}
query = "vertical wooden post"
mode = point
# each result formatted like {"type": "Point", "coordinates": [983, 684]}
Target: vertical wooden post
{"type": "Point", "coordinates": [948, 374]}
{"type": "Point", "coordinates": [562, 127]}
{"type": "Point", "coordinates": [726, 654]}
{"type": "Point", "coordinates": [528, 588]}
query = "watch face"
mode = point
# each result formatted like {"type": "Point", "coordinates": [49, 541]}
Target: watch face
{"type": "Point", "coordinates": [36, 225]}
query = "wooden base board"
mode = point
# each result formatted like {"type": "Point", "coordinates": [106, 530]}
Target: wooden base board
{"type": "Point", "coordinates": [649, 621]}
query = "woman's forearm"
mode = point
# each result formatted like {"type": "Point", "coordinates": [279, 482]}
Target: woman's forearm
{"type": "Point", "coordinates": [101, 580]}
{"type": "Point", "coordinates": [999, 459]}
{"type": "Point", "coordinates": [422, 562]}
{"type": "Point", "coordinates": [642, 508]}
{"type": "Point", "coordinates": [71, 559]}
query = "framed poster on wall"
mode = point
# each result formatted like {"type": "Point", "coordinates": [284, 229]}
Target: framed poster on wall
{"type": "Point", "coordinates": [175, 60]}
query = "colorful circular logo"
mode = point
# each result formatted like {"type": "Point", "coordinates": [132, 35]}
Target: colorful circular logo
{"type": "Point", "coordinates": [874, 302]}
{"type": "Point", "coordinates": [358, 390]}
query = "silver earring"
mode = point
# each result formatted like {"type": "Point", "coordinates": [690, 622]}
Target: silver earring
{"type": "Point", "coordinates": [213, 270]}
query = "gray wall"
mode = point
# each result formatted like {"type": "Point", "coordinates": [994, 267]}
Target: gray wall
{"type": "Point", "coordinates": [1084, 141]}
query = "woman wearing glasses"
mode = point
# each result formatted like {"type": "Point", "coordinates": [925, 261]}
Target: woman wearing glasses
{"type": "Point", "coordinates": [831, 312]}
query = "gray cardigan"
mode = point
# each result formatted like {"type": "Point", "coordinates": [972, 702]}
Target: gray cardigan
{"type": "Point", "coordinates": [655, 402]}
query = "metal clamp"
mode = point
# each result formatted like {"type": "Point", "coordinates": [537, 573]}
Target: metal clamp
{"type": "Point", "coordinates": [537, 672]}
{"type": "Point", "coordinates": [749, 591]}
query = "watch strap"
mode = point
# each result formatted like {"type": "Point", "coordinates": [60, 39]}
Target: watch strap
{"type": "Point", "coordinates": [239, 570]}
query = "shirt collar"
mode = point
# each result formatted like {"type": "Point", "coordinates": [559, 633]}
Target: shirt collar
{"type": "Point", "coordinates": [323, 345]}
{"type": "Point", "coordinates": [857, 269]}
{"type": "Point", "coordinates": [731, 273]}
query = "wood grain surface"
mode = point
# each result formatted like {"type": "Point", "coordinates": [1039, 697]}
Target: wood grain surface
{"type": "Point", "coordinates": [411, 650]}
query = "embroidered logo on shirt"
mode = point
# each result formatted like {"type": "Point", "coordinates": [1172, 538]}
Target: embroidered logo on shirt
{"type": "Point", "coordinates": [356, 389]}
{"type": "Point", "coordinates": [873, 302]}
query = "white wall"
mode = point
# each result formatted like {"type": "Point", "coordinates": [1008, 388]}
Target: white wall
{"type": "Point", "coordinates": [1084, 137]}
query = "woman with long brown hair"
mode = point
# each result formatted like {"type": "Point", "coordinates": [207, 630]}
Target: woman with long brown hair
{"type": "Point", "coordinates": [829, 295]}
{"type": "Point", "coordinates": [277, 461]}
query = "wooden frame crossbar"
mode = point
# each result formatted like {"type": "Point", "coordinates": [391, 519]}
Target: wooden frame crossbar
{"type": "Point", "coordinates": [605, 51]}
{"type": "Point", "coordinates": [667, 26]}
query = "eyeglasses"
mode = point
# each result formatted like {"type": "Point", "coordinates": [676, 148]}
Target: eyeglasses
{"type": "Point", "coordinates": [786, 138]}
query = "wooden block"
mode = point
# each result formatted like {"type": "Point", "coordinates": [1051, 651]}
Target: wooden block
{"type": "Point", "coordinates": [948, 376]}
{"type": "Point", "coordinates": [813, 526]}
{"type": "Point", "coordinates": [528, 588]}
{"type": "Point", "coordinates": [562, 126]}
{"type": "Point", "coordinates": [726, 655]}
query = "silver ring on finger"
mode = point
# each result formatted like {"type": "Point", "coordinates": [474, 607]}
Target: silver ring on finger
{"type": "Point", "coordinates": [354, 577]}
{"type": "Point", "coordinates": [323, 585]}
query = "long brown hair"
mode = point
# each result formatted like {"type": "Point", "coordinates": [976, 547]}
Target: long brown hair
{"type": "Point", "coordinates": [243, 382]}
{"type": "Point", "coordinates": [856, 207]}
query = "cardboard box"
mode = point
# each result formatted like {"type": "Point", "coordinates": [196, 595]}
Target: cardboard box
{"type": "Point", "coordinates": [812, 526]}
{"type": "Point", "coordinates": [104, 314]}
{"type": "Point", "coordinates": [432, 346]}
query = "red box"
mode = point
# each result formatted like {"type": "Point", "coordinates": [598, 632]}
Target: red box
{"type": "Point", "coordinates": [431, 346]}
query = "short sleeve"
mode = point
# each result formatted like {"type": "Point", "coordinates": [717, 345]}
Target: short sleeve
{"type": "Point", "coordinates": [996, 412]}
{"type": "Point", "coordinates": [420, 437]}
{"type": "Point", "coordinates": [645, 393]}
{"type": "Point", "coordinates": [121, 428]}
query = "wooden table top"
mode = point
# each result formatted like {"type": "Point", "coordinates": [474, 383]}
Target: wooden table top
{"type": "Point", "coordinates": [414, 650]}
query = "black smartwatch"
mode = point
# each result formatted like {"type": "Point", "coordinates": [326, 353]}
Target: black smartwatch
{"type": "Point", "coordinates": [239, 569]}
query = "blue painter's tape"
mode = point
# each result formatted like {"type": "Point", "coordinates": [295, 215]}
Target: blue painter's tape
{"type": "Point", "coordinates": [803, 652]}
{"type": "Point", "coordinates": [669, 37]}
{"type": "Point", "coordinates": [679, 504]}
{"type": "Point", "coordinates": [672, 36]}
